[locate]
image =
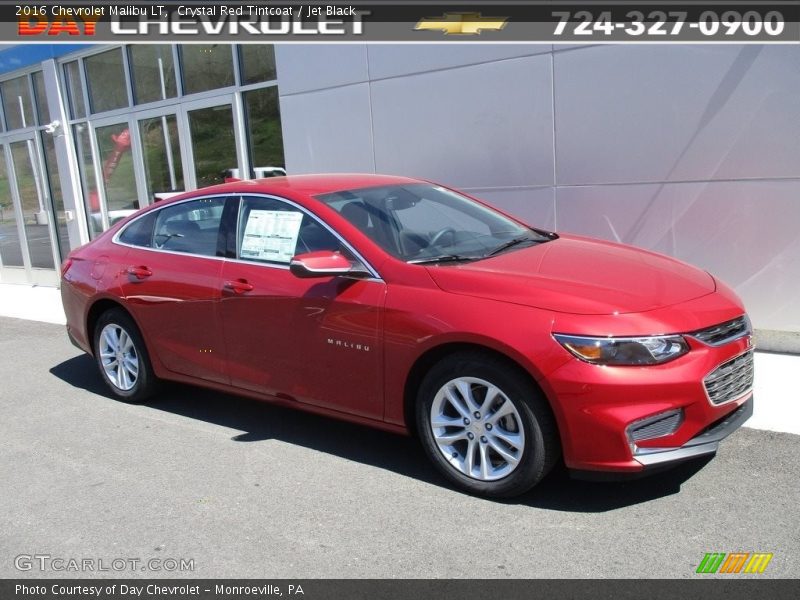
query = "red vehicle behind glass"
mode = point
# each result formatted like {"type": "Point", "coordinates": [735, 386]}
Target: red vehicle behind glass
{"type": "Point", "coordinates": [407, 306]}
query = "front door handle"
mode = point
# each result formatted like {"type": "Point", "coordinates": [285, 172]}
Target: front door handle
{"type": "Point", "coordinates": [238, 286]}
{"type": "Point", "coordinates": [139, 272]}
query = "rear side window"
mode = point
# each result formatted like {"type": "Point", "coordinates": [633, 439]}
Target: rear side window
{"type": "Point", "coordinates": [189, 227]}
{"type": "Point", "coordinates": [273, 231]}
{"type": "Point", "coordinates": [140, 232]}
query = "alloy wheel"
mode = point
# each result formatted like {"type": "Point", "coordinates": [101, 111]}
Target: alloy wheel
{"type": "Point", "coordinates": [118, 357]}
{"type": "Point", "coordinates": [477, 428]}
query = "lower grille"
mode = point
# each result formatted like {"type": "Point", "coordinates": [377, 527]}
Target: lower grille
{"type": "Point", "coordinates": [731, 380]}
{"type": "Point", "coordinates": [655, 427]}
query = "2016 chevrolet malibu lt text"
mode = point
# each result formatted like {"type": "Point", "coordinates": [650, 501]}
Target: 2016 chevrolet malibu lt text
{"type": "Point", "coordinates": [408, 306]}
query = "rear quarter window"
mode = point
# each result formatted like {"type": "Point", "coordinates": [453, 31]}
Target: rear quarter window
{"type": "Point", "coordinates": [140, 231]}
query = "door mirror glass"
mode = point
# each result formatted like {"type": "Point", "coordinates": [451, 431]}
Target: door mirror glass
{"type": "Point", "coordinates": [325, 263]}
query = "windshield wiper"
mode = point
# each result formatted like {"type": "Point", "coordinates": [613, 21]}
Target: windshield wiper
{"type": "Point", "coordinates": [441, 259]}
{"type": "Point", "coordinates": [510, 244]}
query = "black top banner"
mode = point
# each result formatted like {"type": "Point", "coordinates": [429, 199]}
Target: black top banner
{"type": "Point", "coordinates": [451, 22]}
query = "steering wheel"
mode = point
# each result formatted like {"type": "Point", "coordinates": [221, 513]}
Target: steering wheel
{"type": "Point", "coordinates": [437, 237]}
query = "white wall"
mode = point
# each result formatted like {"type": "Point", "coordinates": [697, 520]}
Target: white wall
{"type": "Point", "coordinates": [689, 150]}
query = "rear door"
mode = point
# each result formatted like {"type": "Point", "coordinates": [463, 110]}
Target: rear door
{"type": "Point", "coordinates": [314, 341]}
{"type": "Point", "coordinates": [171, 281]}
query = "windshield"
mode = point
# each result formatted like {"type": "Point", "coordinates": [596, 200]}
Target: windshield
{"type": "Point", "coordinates": [428, 223]}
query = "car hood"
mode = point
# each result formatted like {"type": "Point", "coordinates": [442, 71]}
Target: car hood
{"type": "Point", "coordinates": [579, 276]}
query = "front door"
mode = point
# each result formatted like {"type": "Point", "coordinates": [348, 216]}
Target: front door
{"type": "Point", "coordinates": [315, 341]}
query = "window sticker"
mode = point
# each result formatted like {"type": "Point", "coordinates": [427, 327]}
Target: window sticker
{"type": "Point", "coordinates": [271, 235]}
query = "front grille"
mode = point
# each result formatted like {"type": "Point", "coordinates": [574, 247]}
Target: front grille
{"type": "Point", "coordinates": [724, 332]}
{"type": "Point", "coordinates": [730, 380]}
{"type": "Point", "coordinates": [655, 427]}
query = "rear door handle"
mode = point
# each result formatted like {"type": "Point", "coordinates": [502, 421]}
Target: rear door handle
{"type": "Point", "coordinates": [139, 272]}
{"type": "Point", "coordinates": [238, 286]}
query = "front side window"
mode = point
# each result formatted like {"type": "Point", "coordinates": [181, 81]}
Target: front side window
{"type": "Point", "coordinates": [425, 222]}
{"type": "Point", "coordinates": [273, 231]}
{"type": "Point", "coordinates": [190, 227]}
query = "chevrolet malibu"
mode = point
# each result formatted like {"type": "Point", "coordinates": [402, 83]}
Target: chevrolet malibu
{"type": "Point", "coordinates": [407, 306]}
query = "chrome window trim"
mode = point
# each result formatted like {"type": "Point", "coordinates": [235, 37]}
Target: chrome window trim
{"type": "Point", "coordinates": [241, 195]}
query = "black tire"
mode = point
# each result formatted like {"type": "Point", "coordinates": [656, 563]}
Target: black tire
{"type": "Point", "coordinates": [145, 383]}
{"type": "Point", "coordinates": [540, 450]}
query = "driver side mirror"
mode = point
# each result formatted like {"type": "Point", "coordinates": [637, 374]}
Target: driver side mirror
{"type": "Point", "coordinates": [326, 263]}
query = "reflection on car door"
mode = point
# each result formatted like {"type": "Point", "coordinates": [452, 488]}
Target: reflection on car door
{"type": "Point", "coordinates": [172, 285]}
{"type": "Point", "coordinates": [311, 340]}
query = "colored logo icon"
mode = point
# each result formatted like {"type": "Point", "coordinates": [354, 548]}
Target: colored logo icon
{"type": "Point", "coordinates": [468, 23]}
{"type": "Point", "coordinates": [735, 562]}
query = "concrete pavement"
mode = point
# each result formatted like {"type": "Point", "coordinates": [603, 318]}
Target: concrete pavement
{"type": "Point", "coordinates": [244, 489]}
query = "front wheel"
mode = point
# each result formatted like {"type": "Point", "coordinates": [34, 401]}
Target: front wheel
{"type": "Point", "coordinates": [122, 357]}
{"type": "Point", "coordinates": [485, 426]}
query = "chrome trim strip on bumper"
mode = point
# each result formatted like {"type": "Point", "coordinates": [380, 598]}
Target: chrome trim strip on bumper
{"type": "Point", "coordinates": [705, 443]}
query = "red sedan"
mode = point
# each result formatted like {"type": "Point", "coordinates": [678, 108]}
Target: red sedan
{"type": "Point", "coordinates": [408, 306]}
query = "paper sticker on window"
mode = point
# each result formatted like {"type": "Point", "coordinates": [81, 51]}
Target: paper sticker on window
{"type": "Point", "coordinates": [271, 235]}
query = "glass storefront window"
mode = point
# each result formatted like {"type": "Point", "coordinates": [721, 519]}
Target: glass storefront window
{"type": "Point", "coordinates": [206, 67]}
{"type": "Point", "coordinates": [31, 195]}
{"type": "Point", "coordinates": [10, 249]}
{"type": "Point", "coordinates": [54, 181]}
{"type": "Point", "coordinates": [105, 76]}
{"type": "Point", "coordinates": [257, 63]}
{"type": "Point", "coordinates": [264, 137]}
{"type": "Point", "coordinates": [162, 155]}
{"type": "Point", "coordinates": [153, 72]}
{"type": "Point", "coordinates": [213, 143]}
{"type": "Point", "coordinates": [17, 103]}
{"type": "Point", "coordinates": [91, 199]}
{"type": "Point", "coordinates": [77, 104]}
{"type": "Point", "coordinates": [119, 183]}
{"type": "Point", "coordinates": [42, 110]}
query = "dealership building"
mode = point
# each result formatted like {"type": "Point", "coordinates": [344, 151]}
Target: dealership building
{"type": "Point", "coordinates": [688, 150]}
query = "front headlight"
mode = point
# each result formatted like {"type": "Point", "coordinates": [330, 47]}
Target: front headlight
{"type": "Point", "coordinates": [624, 350]}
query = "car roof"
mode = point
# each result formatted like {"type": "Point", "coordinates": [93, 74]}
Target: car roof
{"type": "Point", "coordinates": [308, 184]}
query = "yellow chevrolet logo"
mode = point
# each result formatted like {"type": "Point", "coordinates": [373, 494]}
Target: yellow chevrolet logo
{"type": "Point", "coordinates": [461, 23]}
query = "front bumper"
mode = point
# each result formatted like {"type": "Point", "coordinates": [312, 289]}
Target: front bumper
{"type": "Point", "coordinates": [597, 406]}
{"type": "Point", "coordinates": [705, 443]}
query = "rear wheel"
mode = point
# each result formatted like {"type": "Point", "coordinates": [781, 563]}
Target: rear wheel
{"type": "Point", "coordinates": [122, 357]}
{"type": "Point", "coordinates": [485, 426]}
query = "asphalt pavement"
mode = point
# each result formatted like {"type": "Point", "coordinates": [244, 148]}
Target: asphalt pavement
{"type": "Point", "coordinates": [237, 488]}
